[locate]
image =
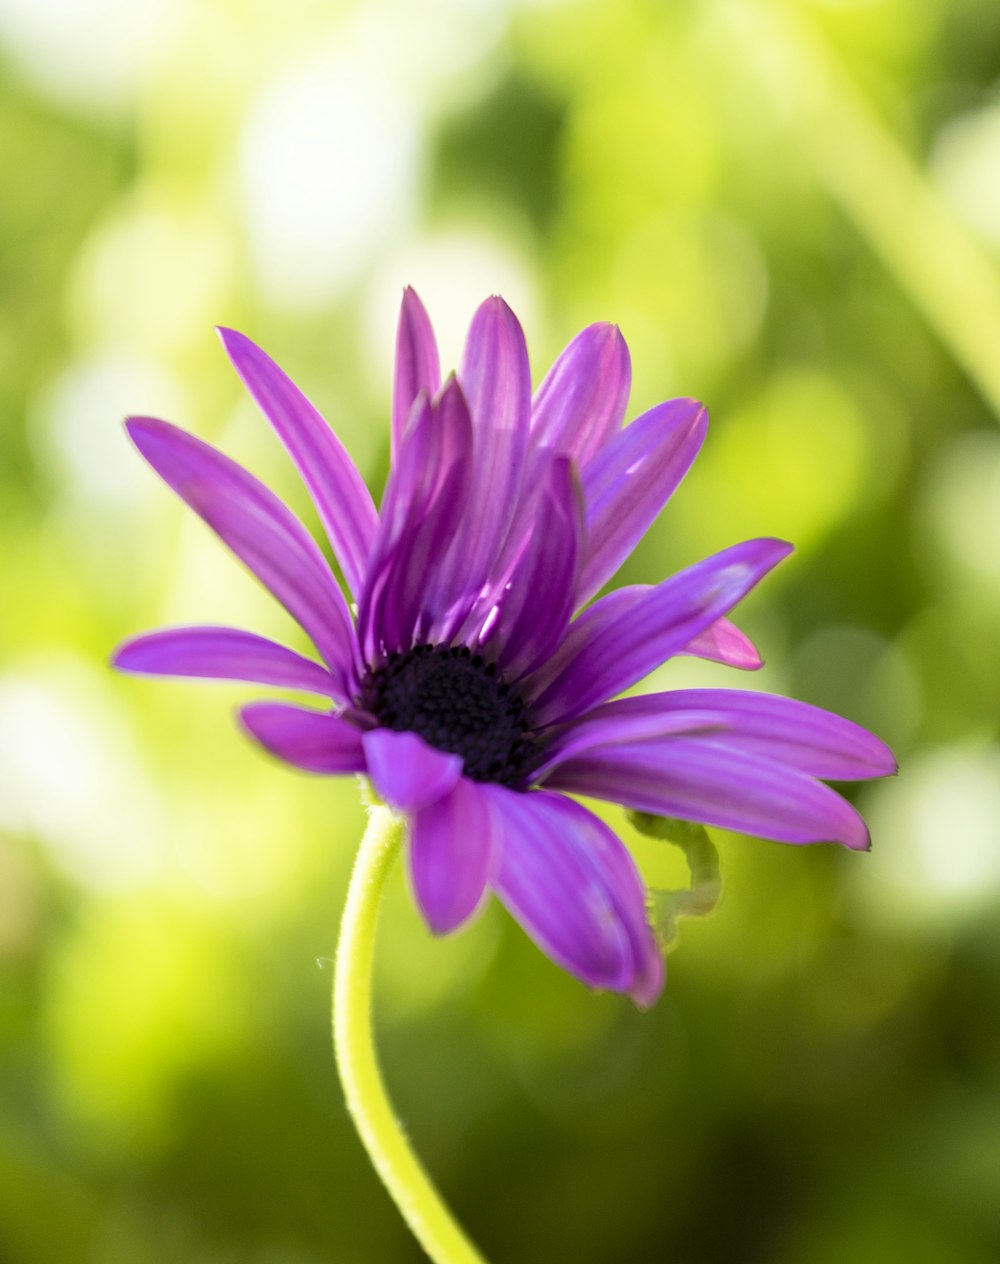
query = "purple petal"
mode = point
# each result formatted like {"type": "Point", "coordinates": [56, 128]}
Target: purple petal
{"type": "Point", "coordinates": [795, 734]}
{"type": "Point", "coordinates": [452, 855]}
{"type": "Point", "coordinates": [316, 741]}
{"type": "Point", "coordinates": [598, 729]}
{"type": "Point", "coordinates": [432, 580]}
{"type": "Point", "coordinates": [723, 642]}
{"type": "Point", "coordinates": [223, 654]}
{"type": "Point", "coordinates": [535, 611]}
{"type": "Point", "coordinates": [589, 624]}
{"type": "Point", "coordinates": [630, 480]}
{"type": "Point", "coordinates": [406, 772]}
{"type": "Point", "coordinates": [700, 779]}
{"type": "Point", "coordinates": [417, 580]}
{"type": "Point", "coordinates": [417, 365]}
{"type": "Point", "coordinates": [576, 409]}
{"type": "Point", "coordinates": [496, 379]}
{"type": "Point", "coordinates": [260, 530]}
{"type": "Point", "coordinates": [573, 886]}
{"type": "Point", "coordinates": [337, 489]}
{"type": "Point", "coordinates": [581, 402]}
{"type": "Point", "coordinates": [641, 633]}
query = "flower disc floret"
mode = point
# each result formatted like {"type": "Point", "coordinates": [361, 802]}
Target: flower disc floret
{"type": "Point", "coordinates": [457, 702]}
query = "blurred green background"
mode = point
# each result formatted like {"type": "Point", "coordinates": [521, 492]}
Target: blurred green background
{"type": "Point", "coordinates": [793, 212]}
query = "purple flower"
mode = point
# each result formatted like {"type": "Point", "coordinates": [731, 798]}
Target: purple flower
{"type": "Point", "coordinates": [474, 686]}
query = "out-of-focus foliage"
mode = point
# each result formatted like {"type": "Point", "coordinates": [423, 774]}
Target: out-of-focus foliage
{"type": "Point", "coordinates": [793, 211]}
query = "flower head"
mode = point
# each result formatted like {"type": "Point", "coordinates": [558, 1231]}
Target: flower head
{"type": "Point", "coordinates": [477, 687]}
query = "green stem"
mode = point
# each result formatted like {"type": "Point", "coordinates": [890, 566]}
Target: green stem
{"type": "Point", "coordinates": [399, 1168]}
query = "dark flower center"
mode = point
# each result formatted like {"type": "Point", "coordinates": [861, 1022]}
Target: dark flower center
{"type": "Point", "coordinates": [457, 702]}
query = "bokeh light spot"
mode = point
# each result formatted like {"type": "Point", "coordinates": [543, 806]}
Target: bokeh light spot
{"type": "Point", "coordinates": [936, 837]}
{"type": "Point", "coordinates": [329, 164]}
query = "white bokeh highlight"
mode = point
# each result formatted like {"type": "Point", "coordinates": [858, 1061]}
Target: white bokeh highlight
{"type": "Point", "coordinates": [70, 777]}
{"type": "Point", "coordinates": [78, 432]}
{"type": "Point", "coordinates": [935, 856]}
{"type": "Point", "coordinates": [86, 52]}
{"type": "Point", "coordinates": [966, 164]}
{"type": "Point", "coordinates": [329, 167]}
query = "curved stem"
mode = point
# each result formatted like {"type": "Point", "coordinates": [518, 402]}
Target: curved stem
{"type": "Point", "coordinates": [399, 1168]}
